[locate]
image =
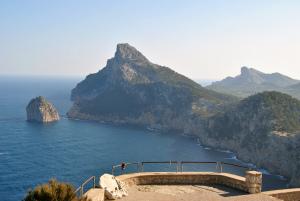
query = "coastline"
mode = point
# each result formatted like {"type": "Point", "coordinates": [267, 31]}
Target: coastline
{"type": "Point", "coordinates": [235, 156]}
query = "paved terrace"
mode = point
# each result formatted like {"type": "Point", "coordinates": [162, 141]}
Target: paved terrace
{"type": "Point", "coordinates": [192, 186]}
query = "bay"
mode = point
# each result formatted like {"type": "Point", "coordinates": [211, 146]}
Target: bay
{"type": "Point", "coordinates": [73, 150]}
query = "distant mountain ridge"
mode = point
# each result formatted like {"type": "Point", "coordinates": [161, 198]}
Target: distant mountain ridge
{"type": "Point", "coordinates": [252, 81]}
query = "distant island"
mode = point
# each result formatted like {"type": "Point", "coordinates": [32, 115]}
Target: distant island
{"type": "Point", "coordinates": [252, 81]}
{"type": "Point", "coordinates": [263, 129]}
{"type": "Point", "coordinates": [42, 111]}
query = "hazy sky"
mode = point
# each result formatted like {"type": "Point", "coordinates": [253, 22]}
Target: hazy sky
{"type": "Point", "coordinates": [200, 39]}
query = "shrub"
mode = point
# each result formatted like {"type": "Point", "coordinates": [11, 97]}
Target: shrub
{"type": "Point", "coordinates": [53, 191]}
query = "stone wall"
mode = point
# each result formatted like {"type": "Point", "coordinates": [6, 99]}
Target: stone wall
{"type": "Point", "coordinates": [285, 194]}
{"type": "Point", "coordinates": [251, 184]}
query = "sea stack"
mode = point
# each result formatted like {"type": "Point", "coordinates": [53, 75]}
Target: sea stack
{"type": "Point", "coordinates": [41, 110]}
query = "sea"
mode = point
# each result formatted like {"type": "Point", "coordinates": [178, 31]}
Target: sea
{"type": "Point", "coordinates": [73, 150]}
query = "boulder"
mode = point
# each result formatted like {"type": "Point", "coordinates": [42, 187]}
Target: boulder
{"type": "Point", "coordinates": [40, 110]}
{"type": "Point", "coordinates": [113, 188]}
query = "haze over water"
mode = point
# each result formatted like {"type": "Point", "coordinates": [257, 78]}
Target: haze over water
{"type": "Point", "coordinates": [72, 151]}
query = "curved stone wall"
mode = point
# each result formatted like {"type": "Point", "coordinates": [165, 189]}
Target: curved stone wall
{"type": "Point", "coordinates": [292, 194]}
{"type": "Point", "coordinates": [250, 184]}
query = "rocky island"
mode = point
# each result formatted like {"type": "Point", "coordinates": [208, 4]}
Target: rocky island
{"type": "Point", "coordinates": [262, 129]}
{"type": "Point", "coordinates": [40, 110]}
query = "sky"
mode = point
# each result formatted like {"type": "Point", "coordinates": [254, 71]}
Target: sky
{"type": "Point", "coordinates": [209, 39]}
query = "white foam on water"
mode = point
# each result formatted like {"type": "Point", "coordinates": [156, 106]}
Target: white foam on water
{"type": "Point", "coordinates": [225, 151]}
{"type": "Point", "coordinates": [266, 172]}
{"type": "Point", "coordinates": [281, 177]}
{"type": "Point", "coordinates": [232, 158]}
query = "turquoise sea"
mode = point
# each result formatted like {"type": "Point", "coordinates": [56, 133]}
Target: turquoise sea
{"type": "Point", "coordinates": [73, 150]}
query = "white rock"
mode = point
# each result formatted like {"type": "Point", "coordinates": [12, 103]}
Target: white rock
{"type": "Point", "coordinates": [113, 189]}
{"type": "Point", "coordinates": [40, 110]}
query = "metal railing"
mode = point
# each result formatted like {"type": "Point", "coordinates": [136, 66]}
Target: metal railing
{"type": "Point", "coordinates": [126, 165]}
{"type": "Point", "coordinates": [218, 164]}
{"type": "Point", "coordinates": [179, 165]}
{"type": "Point", "coordinates": [158, 162]}
{"type": "Point", "coordinates": [80, 190]}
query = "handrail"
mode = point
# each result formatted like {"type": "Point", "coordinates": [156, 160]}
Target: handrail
{"type": "Point", "coordinates": [126, 164]}
{"type": "Point", "coordinates": [236, 165]}
{"type": "Point", "coordinates": [159, 162]}
{"type": "Point", "coordinates": [218, 165]}
{"type": "Point", "coordinates": [81, 187]}
{"type": "Point", "coordinates": [77, 191]}
{"type": "Point", "coordinates": [179, 165]}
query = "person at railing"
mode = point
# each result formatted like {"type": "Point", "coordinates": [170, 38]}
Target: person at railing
{"type": "Point", "coordinates": [123, 166]}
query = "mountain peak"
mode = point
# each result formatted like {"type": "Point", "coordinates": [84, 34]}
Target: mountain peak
{"type": "Point", "coordinates": [245, 70]}
{"type": "Point", "coordinates": [248, 71]}
{"type": "Point", "coordinates": [252, 81]}
{"type": "Point", "coordinates": [127, 52]}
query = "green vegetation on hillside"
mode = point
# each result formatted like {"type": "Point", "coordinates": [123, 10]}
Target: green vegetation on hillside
{"type": "Point", "coordinates": [258, 115]}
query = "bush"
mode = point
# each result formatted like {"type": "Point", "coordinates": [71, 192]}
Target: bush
{"type": "Point", "coordinates": [53, 191]}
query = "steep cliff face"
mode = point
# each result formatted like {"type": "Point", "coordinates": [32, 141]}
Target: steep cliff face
{"type": "Point", "coordinates": [263, 129]}
{"type": "Point", "coordinates": [131, 89]}
{"type": "Point", "coordinates": [40, 110]}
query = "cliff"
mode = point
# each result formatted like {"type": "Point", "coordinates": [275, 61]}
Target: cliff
{"type": "Point", "coordinates": [130, 89]}
{"type": "Point", "coordinates": [40, 110]}
{"type": "Point", "coordinates": [263, 129]}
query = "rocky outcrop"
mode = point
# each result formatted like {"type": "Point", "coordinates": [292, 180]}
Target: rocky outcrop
{"type": "Point", "coordinates": [263, 129]}
{"type": "Point", "coordinates": [113, 188]}
{"type": "Point", "coordinates": [132, 90]}
{"type": "Point", "coordinates": [40, 110]}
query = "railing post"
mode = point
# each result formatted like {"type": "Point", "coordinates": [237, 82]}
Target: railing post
{"type": "Point", "coordinates": [94, 180]}
{"type": "Point", "coordinates": [81, 191]}
{"type": "Point", "coordinates": [221, 167]}
{"type": "Point", "coordinates": [253, 181]}
{"type": "Point", "coordinates": [181, 167]}
{"type": "Point", "coordinates": [142, 167]}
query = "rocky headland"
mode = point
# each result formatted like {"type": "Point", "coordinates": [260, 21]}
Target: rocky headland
{"type": "Point", "coordinates": [132, 90]}
{"type": "Point", "coordinates": [41, 110]}
{"type": "Point", "coordinates": [263, 128]}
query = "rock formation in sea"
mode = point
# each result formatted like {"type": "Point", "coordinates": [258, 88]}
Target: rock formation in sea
{"type": "Point", "coordinates": [41, 110]}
